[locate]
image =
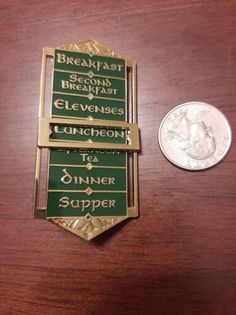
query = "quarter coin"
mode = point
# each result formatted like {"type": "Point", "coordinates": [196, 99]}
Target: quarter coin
{"type": "Point", "coordinates": [195, 136]}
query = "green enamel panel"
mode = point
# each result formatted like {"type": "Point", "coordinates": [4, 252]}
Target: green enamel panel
{"type": "Point", "coordinates": [68, 204]}
{"type": "Point", "coordinates": [80, 178]}
{"type": "Point", "coordinates": [88, 181]}
{"type": "Point", "coordinates": [82, 107]}
{"type": "Point", "coordinates": [82, 62]}
{"type": "Point", "coordinates": [81, 84]}
{"type": "Point", "coordinates": [83, 157]}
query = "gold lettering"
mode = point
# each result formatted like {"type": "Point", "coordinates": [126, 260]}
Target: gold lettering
{"type": "Point", "coordinates": [83, 204]}
{"type": "Point", "coordinates": [67, 178]}
{"type": "Point", "coordinates": [59, 104]}
{"type": "Point", "coordinates": [61, 58]}
{"type": "Point", "coordinates": [69, 130]}
{"type": "Point", "coordinates": [119, 66]}
{"type": "Point", "coordinates": [57, 129]}
{"type": "Point", "coordinates": [64, 202]}
{"type": "Point", "coordinates": [73, 77]}
{"type": "Point", "coordinates": [88, 63]}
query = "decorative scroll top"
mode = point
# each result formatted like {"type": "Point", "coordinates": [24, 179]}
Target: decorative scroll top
{"type": "Point", "coordinates": [92, 47]}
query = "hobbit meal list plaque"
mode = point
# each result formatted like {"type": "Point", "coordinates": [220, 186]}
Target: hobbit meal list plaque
{"type": "Point", "coordinates": [91, 138]}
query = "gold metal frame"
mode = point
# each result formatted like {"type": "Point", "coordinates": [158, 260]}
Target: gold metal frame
{"type": "Point", "coordinates": [87, 227]}
{"type": "Point", "coordinates": [44, 140]}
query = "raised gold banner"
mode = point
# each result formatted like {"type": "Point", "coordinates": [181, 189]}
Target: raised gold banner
{"type": "Point", "coordinates": [91, 139]}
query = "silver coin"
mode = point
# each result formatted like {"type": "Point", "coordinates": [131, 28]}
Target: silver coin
{"type": "Point", "coordinates": [195, 136]}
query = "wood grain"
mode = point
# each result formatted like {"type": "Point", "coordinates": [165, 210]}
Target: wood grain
{"type": "Point", "coordinates": [179, 256]}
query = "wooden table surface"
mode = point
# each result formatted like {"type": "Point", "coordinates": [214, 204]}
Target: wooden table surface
{"type": "Point", "coordinates": [179, 256]}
